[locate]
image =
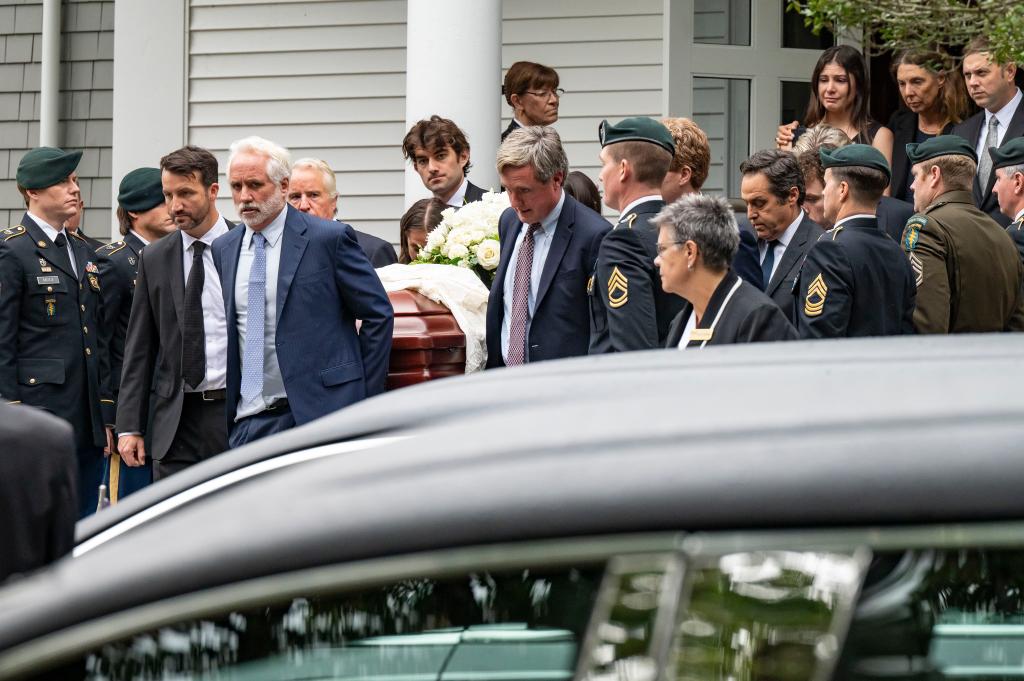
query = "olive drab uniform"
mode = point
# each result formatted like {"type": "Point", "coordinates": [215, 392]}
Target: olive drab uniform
{"type": "Point", "coordinates": [855, 281]}
{"type": "Point", "coordinates": [49, 318]}
{"type": "Point", "coordinates": [969, 275]}
{"type": "Point", "coordinates": [628, 308]}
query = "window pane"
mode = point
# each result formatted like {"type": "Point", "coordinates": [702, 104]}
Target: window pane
{"type": "Point", "coordinates": [795, 34]}
{"type": "Point", "coordinates": [794, 99]}
{"type": "Point", "coordinates": [721, 22]}
{"type": "Point", "coordinates": [721, 107]}
{"type": "Point", "coordinates": [521, 625]}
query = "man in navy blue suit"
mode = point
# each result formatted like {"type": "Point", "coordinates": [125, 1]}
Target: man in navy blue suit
{"type": "Point", "coordinates": [539, 308]}
{"type": "Point", "coordinates": [294, 286]}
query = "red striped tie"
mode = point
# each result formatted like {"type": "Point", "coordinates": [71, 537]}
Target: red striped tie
{"type": "Point", "coordinates": [520, 300]}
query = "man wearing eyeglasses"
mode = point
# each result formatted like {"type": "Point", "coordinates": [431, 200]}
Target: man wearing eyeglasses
{"type": "Point", "coordinates": [532, 91]}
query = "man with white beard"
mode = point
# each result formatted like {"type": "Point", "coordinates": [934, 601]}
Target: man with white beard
{"type": "Point", "coordinates": [294, 286]}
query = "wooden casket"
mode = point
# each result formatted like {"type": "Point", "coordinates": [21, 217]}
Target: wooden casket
{"type": "Point", "coordinates": [427, 341]}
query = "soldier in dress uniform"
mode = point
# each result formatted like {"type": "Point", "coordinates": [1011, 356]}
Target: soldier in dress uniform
{"type": "Point", "coordinates": [142, 217]}
{"type": "Point", "coordinates": [628, 308]}
{"type": "Point", "coordinates": [968, 272]}
{"type": "Point", "coordinates": [1008, 165]}
{"type": "Point", "coordinates": [50, 314]}
{"type": "Point", "coordinates": [855, 280]}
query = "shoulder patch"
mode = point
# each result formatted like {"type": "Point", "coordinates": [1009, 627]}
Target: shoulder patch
{"type": "Point", "coordinates": [814, 303]}
{"type": "Point", "coordinates": [628, 220]}
{"type": "Point", "coordinates": [618, 289]}
{"type": "Point", "coordinates": [912, 232]}
{"type": "Point", "coordinates": [12, 232]}
{"type": "Point", "coordinates": [111, 248]}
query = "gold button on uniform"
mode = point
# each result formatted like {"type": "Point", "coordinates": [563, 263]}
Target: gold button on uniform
{"type": "Point", "coordinates": [88, 351]}
{"type": "Point", "coordinates": [85, 329]}
{"type": "Point", "coordinates": [49, 289]}
{"type": "Point", "coordinates": [83, 307]}
{"type": "Point", "coordinates": [32, 381]}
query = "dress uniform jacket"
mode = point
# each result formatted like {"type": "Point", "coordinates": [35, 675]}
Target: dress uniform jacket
{"type": "Point", "coordinates": [967, 270]}
{"type": "Point", "coordinates": [628, 308]}
{"type": "Point", "coordinates": [118, 263]}
{"type": "Point", "coordinates": [1016, 232]}
{"type": "Point", "coordinates": [737, 312]}
{"type": "Point", "coordinates": [856, 281]}
{"type": "Point", "coordinates": [49, 317]}
{"type": "Point", "coordinates": [781, 286]}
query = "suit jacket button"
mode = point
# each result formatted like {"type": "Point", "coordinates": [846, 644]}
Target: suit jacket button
{"type": "Point", "coordinates": [88, 351]}
{"type": "Point", "coordinates": [83, 307]}
{"type": "Point", "coordinates": [32, 381]}
{"type": "Point", "coordinates": [85, 329]}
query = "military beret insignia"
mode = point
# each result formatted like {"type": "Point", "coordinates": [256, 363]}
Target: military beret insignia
{"type": "Point", "coordinates": [814, 303]}
{"type": "Point", "coordinates": [912, 232]}
{"type": "Point", "coordinates": [618, 289]}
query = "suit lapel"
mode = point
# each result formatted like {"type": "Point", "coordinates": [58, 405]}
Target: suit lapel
{"type": "Point", "coordinates": [789, 258]}
{"type": "Point", "coordinates": [293, 245]}
{"type": "Point", "coordinates": [48, 251]}
{"type": "Point", "coordinates": [559, 244]}
{"type": "Point", "coordinates": [177, 270]}
{"type": "Point", "coordinates": [229, 269]}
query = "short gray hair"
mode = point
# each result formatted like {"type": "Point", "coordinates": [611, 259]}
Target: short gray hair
{"type": "Point", "coordinates": [1010, 171]}
{"type": "Point", "coordinates": [707, 221]}
{"type": "Point", "coordinates": [330, 181]}
{"type": "Point", "coordinates": [538, 146]}
{"type": "Point", "coordinates": [279, 161]}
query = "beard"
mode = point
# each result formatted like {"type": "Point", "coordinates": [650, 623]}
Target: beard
{"type": "Point", "coordinates": [186, 221]}
{"type": "Point", "coordinates": [263, 212]}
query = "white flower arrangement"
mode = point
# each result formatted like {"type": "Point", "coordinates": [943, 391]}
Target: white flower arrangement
{"type": "Point", "coordinates": [468, 237]}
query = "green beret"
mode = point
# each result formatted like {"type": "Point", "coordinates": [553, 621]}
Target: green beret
{"type": "Point", "coordinates": [46, 166]}
{"type": "Point", "coordinates": [639, 128]}
{"type": "Point", "coordinates": [140, 190]}
{"type": "Point", "coordinates": [855, 155]}
{"type": "Point", "coordinates": [1010, 154]}
{"type": "Point", "coordinates": [940, 145]}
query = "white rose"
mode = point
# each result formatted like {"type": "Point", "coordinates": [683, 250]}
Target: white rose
{"type": "Point", "coordinates": [488, 252]}
{"type": "Point", "coordinates": [456, 251]}
{"type": "Point", "coordinates": [434, 240]}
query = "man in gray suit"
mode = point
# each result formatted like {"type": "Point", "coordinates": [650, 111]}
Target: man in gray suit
{"type": "Point", "coordinates": [773, 187]}
{"type": "Point", "coordinates": [177, 334]}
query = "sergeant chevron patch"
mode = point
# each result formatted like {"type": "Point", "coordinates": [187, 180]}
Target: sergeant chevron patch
{"type": "Point", "coordinates": [814, 303]}
{"type": "Point", "coordinates": [918, 267]}
{"type": "Point", "coordinates": [618, 289]}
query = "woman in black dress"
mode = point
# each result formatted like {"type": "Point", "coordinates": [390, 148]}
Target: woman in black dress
{"type": "Point", "coordinates": [697, 240]}
{"type": "Point", "coordinates": [935, 98]}
{"type": "Point", "coordinates": [839, 98]}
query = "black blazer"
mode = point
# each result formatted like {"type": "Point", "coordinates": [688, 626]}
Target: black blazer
{"type": "Point", "coordinates": [747, 261]}
{"type": "Point", "coordinates": [380, 253]}
{"type": "Point", "coordinates": [971, 130]}
{"type": "Point", "coordinates": [780, 288]}
{"type": "Point", "coordinates": [892, 215]}
{"type": "Point", "coordinates": [473, 193]}
{"type": "Point", "coordinates": [560, 326]}
{"type": "Point", "coordinates": [749, 317]}
{"type": "Point", "coordinates": [904, 130]}
{"type": "Point", "coordinates": [507, 131]}
{"type": "Point", "coordinates": [38, 489]}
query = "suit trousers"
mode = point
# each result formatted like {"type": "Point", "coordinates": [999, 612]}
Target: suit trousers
{"type": "Point", "coordinates": [201, 434]}
{"type": "Point", "coordinates": [261, 425]}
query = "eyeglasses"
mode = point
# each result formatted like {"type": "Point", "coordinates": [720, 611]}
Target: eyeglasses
{"type": "Point", "coordinates": [664, 247]}
{"type": "Point", "coordinates": [558, 93]}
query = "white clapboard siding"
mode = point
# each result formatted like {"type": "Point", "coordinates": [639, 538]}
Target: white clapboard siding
{"type": "Point", "coordinates": [326, 79]}
{"type": "Point", "coordinates": [608, 55]}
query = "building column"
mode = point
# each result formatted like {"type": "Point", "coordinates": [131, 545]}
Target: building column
{"type": "Point", "coordinates": [453, 69]}
{"type": "Point", "coordinates": [150, 94]}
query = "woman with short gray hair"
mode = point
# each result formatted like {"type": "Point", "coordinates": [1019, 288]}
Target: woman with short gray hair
{"type": "Point", "coordinates": [697, 240]}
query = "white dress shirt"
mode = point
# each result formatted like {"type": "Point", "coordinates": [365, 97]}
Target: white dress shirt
{"type": "Point", "coordinates": [1004, 116]}
{"type": "Point", "coordinates": [781, 243]}
{"type": "Point", "coordinates": [145, 242]}
{"type": "Point", "coordinates": [51, 233]}
{"type": "Point", "coordinates": [273, 383]}
{"type": "Point", "coordinates": [459, 196]}
{"type": "Point", "coordinates": [214, 320]}
{"type": "Point", "coordinates": [541, 245]}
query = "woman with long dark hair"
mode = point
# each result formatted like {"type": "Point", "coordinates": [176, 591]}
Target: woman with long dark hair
{"type": "Point", "coordinates": [935, 98]}
{"type": "Point", "coordinates": [839, 98]}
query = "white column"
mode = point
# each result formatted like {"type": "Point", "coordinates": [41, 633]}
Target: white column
{"type": "Point", "coordinates": [453, 69]}
{"type": "Point", "coordinates": [150, 95]}
{"type": "Point", "coordinates": [49, 79]}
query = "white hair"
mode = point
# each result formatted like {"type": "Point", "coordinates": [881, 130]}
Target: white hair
{"type": "Point", "coordinates": [330, 182]}
{"type": "Point", "coordinates": [279, 161]}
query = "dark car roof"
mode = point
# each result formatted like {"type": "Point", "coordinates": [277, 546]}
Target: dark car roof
{"type": "Point", "coordinates": [881, 431]}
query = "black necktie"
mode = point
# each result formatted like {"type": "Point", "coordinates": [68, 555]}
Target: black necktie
{"type": "Point", "coordinates": [193, 341]}
{"type": "Point", "coordinates": [768, 263]}
{"type": "Point", "coordinates": [61, 242]}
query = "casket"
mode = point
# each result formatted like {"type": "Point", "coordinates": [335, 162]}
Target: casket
{"type": "Point", "coordinates": [427, 341]}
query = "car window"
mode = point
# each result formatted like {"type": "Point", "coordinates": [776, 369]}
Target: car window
{"type": "Point", "coordinates": [523, 624]}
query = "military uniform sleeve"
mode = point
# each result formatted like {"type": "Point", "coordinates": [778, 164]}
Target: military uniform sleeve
{"type": "Point", "coordinates": [926, 249]}
{"type": "Point", "coordinates": [623, 278]}
{"type": "Point", "coordinates": [825, 291]}
{"type": "Point", "coordinates": [112, 291]}
{"type": "Point", "coordinates": [11, 287]}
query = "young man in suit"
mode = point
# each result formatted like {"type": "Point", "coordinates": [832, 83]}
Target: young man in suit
{"type": "Point", "coordinates": [291, 280]}
{"type": "Point", "coordinates": [991, 85]}
{"type": "Point", "coordinates": [177, 336]}
{"type": "Point", "coordinates": [50, 312]}
{"type": "Point", "coordinates": [439, 153]}
{"type": "Point", "coordinates": [773, 188]}
{"type": "Point", "coordinates": [538, 307]}
{"type": "Point", "coordinates": [313, 189]}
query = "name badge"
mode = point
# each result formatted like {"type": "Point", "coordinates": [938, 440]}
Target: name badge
{"type": "Point", "coordinates": [700, 335]}
{"type": "Point", "coordinates": [52, 279]}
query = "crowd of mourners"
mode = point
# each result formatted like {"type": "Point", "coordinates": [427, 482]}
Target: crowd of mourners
{"type": "Point", "coordinates": [192, 335]}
